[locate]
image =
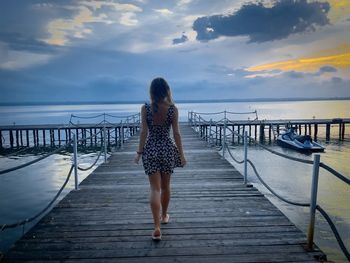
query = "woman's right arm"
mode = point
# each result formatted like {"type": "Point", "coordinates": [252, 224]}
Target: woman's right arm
{"type": "Point", "coordinates": [143, 134]}
{"type": "Point", "coordinates": [177, 135]}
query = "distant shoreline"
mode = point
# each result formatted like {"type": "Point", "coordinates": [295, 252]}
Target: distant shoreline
{"type": "Point", "coordinates": [177, 101]}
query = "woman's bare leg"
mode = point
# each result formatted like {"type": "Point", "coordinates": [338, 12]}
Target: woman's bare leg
{"type": "Point", "coordinates": [155, 185]}
{"type": "Point", "coordinates": [166, 192]}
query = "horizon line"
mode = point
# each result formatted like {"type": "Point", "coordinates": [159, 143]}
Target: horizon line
{"type": "Point", "coordinates": [33, 103]}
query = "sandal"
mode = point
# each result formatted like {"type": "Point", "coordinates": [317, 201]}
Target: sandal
{"type": "Point", "coordinates": [165, 220]}
{"type": "Point", "coordinates": [158, 237]}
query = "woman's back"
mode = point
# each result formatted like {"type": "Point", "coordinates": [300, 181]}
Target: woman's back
{"type": "Point", "coordinates": [163, 116]}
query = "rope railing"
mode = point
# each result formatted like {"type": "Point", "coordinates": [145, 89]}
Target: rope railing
{"type": "Point", "coordinates": [27, 220]}
{"type": "Point", "coordinates": [33, 161]}
{"type": "Point", "coordinates": [74, 167]}
{"type": "Point", "coordinates": [316, 164]}
{"type": "Point", "coordinates": [335, 173]}
{"type": "Point", "coordinates": [94, 163]}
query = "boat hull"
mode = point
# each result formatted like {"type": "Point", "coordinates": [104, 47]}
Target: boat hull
{"type": "Point", "coordinates": [295, 146]}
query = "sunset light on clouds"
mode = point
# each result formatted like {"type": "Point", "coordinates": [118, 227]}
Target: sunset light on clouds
{"type": "Point", "coordinates": [110, 50]}
{"type": "Point", "coordinates": [340, 59]}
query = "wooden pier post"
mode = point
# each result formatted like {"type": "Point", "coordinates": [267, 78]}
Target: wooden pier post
{"type": "Point", "coordinates": [310, 132]}
{"type": "Point", "coordinates": [250, 130]}
{"type": "Point", "coordinates": [340, 131]}
{"type": "Point", "coordinates": [255, 131]}
{"type": "Point", "coordinates": [109, 137]}
{"type": "Point", "coordinates": [243, 130]}
{"type": "Point", "coordinates": [44, 138]}
{"type": "Point", "coordinates": [91, 139]}
{"type": "Point", "coordinates": [305, 129]}
{"type": "Point", "coordinates": [343, 132]}
{"type": "Point", "coordinates": [262, 132]}
{"type": "Point", "coordinates": [52, 136]}
{"type": "Point", "coordinates": [83, 132]}
{"type": "Point", "coordinates": [206, 132]}
{"type": "Point", "coordinates": [34, 138]}
{"type": "Point", "coordinates": [37, 136]}
{"type": "Point", "coordinates": [70, 134]}
{"type": "Point", "coordinates": [233, 135]}
{"type": "Point", "coordinates": [328, 132]}
{"type": "Point", "coordinates": [238, 137]}
{"type": "Point", "coordinates": [116, 136]}
{"type": "Point", "coordinates": [21, 137]}
{"type": "Point", "coordinates": [59, 136]}
{"type": "Point", "coordinates": [17, 138]}
{"type": "Point", "coordinates": [315, 131]}
{"type": "Point", "coordinates": [27, 137]}
{"type": "Point", "coordinates": [0, 139]}
{"type": "Point", "coordinates": [66, 134]}
{"type": "Point", "coordinates": [270, 128]}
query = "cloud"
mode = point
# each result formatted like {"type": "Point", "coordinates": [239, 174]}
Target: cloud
{"type": "Point", "coordinates": [262, 23]}
{"type": "Point", "coordinates": [323, 61]}
{"type": "Point", "coordinates": [294, 74]}
{"type": "Point", "coordinates": [340, 9]}
{"type": "Point", "coordinates": [87, 12]}
{"type": "Point", "coordinates": [164, 11]}
{"type": "Point", "coordinates": [336, 80]}
{"type": "Point", "coordinates": [327, 69]}
{"type": "Point", "coordinates": [15, 60]}
{"type": "Point", "coordinates": [180, 40]}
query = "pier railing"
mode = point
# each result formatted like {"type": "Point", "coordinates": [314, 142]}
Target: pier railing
{"type": "Point", "coordinates": [220, 130]}
{"type": "Point", "coordinates": [105, 126]}
{"type": "Point", "coordinates": [16, 139]}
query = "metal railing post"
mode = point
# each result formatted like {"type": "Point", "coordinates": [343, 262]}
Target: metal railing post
{"type": "Point", "coordinates": [210, 135]}
{"type": "Point", "coordinates": [245, 157]}
{"type": "Point", "coordinates": [223, 141]}
{"type": "Point", "coordinates": [313, 202]}
{"type": "Point", "coordinates": [75, 160]}
{"type": "Point", "coordinates": [122, 137]}
{"type": "Point", "coordinates": [105, 142]}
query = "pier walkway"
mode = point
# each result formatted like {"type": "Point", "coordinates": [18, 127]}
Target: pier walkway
{"type": "Point", "coordinates": [213, 217]}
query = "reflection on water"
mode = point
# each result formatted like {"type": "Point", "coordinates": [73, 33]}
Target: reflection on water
{"type": "Point", "coordinates": [24, 193]}
{"type": "Point", "coordinates": [293, 181]}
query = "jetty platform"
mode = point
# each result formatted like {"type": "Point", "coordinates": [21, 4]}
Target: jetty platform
{"type": "Point", "coordinates": [214, 217]}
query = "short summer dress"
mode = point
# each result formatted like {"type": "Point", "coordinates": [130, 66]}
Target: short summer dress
{"type": "Point", "coordinates": [160, 154]}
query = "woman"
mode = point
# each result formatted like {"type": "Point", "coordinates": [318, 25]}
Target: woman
{"type": "Point", "coordinates": [159, 153]}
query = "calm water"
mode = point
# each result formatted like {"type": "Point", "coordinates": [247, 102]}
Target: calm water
{"type": "Point", "coordinates": [25, 192]}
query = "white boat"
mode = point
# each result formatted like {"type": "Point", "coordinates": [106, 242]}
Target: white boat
{"type": "Point", "coordinates": [301, 143]}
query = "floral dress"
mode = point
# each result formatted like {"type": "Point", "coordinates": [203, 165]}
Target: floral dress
{"type": "Point", "coordinates": [160, 154]}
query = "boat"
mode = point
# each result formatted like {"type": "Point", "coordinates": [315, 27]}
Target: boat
{"type": "Point", "coordinates": [301, 143]}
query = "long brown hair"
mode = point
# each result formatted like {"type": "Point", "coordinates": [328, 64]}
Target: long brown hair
{"type": "Point", "coordinates": [159, 91]}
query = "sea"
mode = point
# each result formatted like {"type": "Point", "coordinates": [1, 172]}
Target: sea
{"type": "Point", "coordinates": [25, 192]}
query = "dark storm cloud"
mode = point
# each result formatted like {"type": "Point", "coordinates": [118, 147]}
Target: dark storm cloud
{"type": "Point", "coordinates": [180, 40]}
{"type": "Point", "coordinates": [262, 23]}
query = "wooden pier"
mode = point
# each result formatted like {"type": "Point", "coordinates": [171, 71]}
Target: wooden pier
{"type": "Point", "coordinates": [213, 217]}
{"type": "Point", "coordinates": [14, 137]}
{"type": "Point", "coordinates": [264, 130]}
{"type": "Point", "coordinates": [51, 135]}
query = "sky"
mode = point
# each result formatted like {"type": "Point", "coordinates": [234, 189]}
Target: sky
{"type": "Point", "coordinates": [79, 51]}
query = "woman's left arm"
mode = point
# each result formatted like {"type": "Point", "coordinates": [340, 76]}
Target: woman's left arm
{"type": "Point", "coordinates": [143, 134]}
